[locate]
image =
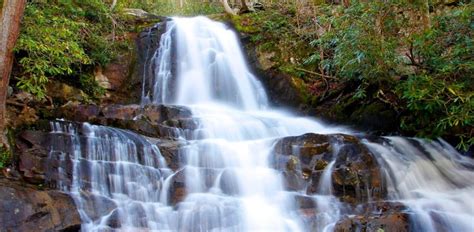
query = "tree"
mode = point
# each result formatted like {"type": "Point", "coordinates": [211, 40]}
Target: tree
{"type": "Point", "coordinates": [10, 16]}
{"type": "Point", "coordinates": [244, 7]}
{"type": "Point", "coordinates": [227, 8]}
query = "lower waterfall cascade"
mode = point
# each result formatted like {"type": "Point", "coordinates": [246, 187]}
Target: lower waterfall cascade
{"type": "Point", "coordinates": [237, 156]}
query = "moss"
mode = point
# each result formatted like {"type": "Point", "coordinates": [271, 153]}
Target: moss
{"type": "Point", "coordinates": [292, 163]}
{"type": "Point", "coordinates": [245, 24]}
{"type": "Point", "coordinates": [320, 165]}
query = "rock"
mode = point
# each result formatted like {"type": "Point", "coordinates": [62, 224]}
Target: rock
{"type": "Point", "coordinates": [383, 216]}
{"type": "Point", "coordinates": [41, 154]}
{"type": "Point", "coordinates": [140, 14]}
{"type": "Point", "coordinates": [91, 201]}
{"type": "Point", "coordinates": [145, 70]}
{"type": "Point", "coordinates": [116, 73]}
{"type": "Point", "coordinates": [9, 91]}
{"type": "Point", "coordinates": [150, 120]}
{"type": "Point", "coordinates": [356, 175]}
{"type": "Point", "coordinates": [62, 93]}
{"type": "Point", "coordinates": [24, 208]}
{"type": "Point", "coordinates": [375, 117]}
{"type": "Point", "coordinates": [228, 183]}
{"type": "Point", "coordinates": [101, 79]}
{"type": "Point", "coordinates": [265, 61]}
{"type": "Point", "coordinates": [32, 156]}
{"type": "Point", "coordinates": [24, 97]}
{"type": "Point", "coordinates": [170, 150]}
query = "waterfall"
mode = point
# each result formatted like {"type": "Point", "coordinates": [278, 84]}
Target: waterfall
{"type": "Point", "coordinates": [116, 176]}
{"type": "Point", "coordinates": [436, 182]}
{"type": "Point", "coordinates": [121, 181]}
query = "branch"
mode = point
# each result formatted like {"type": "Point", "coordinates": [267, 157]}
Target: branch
{"type": "Point", "coordinates": [315, 73]}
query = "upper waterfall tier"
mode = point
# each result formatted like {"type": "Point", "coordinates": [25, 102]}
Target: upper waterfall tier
{"type": "Point", "coordinates": [210, 67]}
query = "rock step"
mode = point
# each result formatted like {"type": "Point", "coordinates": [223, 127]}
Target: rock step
{"type": "Point", "coordinates": [160, 121]}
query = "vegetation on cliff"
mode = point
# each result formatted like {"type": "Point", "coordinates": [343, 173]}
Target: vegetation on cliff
{"type": "Point", "coordinates": [407, 62]}
{"type": "Point", "coordinates": [413, 59]}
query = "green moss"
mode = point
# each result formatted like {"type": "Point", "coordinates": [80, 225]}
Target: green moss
{"type": "Point", "coordinates": [5, 157]}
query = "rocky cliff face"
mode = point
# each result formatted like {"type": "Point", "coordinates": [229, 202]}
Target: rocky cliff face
{"type": "Point", "coordinates": [356, 177]}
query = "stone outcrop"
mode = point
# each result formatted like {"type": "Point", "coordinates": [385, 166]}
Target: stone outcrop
{"type": "Point", "coordinates": [356, 181]}
{"type": "Point", "coordinates": [157, 121]}
{"type": "Point", "coordinates": [26, 208]}
{"type": "Point", "coordinates": [37, 165]}
{"type": "Point", "coordinates": [384, 216]}
{"type": "Point", "coordinates": [356, 176]}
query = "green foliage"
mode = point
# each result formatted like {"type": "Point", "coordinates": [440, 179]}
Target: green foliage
{"type": "Point", "coordinates": [375, 43]}
{"type": "Point", "coordinates": [61, 38]}
{"type": "Point", "coordinates": [360, 42]}
{"type": "Point", "coordinates": [4, 157]}
{"type": "Point", "coordinates": [440, 96]}
{"type": "Point", "coordinates": [420, 59]}
{"type": "Point", "coordinates": [174, 8]}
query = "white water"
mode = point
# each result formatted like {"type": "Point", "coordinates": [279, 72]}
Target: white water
{"type": "Point", "coordinates": [229, 183]}
{"type": "Point", "coordinates": [437, 183]}
{"type": "Point", "coordinates": [235, 136]}
{"type": "Point", "coordinates": [112, 167]}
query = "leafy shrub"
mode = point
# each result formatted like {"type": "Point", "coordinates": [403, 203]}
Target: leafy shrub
{"type": "Point", "coordinates": [60, 38]}
{"type": "Point", "coordinates": [4, 157]}
{"type": "Point", "coordinates": [173, 8]}
{"type": "Point", "coordinates": [359, 43]}
{"type": "Point", "coordinates": [440, 96]}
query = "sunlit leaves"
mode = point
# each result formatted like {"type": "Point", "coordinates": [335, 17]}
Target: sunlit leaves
{"type": "Point", "coordinates": [59, 37]}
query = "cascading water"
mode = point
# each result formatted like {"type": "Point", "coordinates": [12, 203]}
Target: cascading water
{"type": "Point", "coordinates": [235, 134]}
{"type": "Point", "coordinates": [230, 184]}
{"type": "Point", "coordinates": [435, 182]}
{"type": "Point", "coordinates": [116, 176]}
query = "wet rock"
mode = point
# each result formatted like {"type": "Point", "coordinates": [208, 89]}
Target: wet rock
{"type": "Point", "coordinates": [294, 181]}
{"type": "Point", "coordinates": [42, 154]}
{"type": "Point", "coordinates": [150, 120]}
{"type": "Point", "coordinates": [228, 183]}
{"type": "Point", "coordinates": [25, 208]}
{"type": "Point", "coordinates": [177, 191]}
{"type": "Point", "coordinates": [282, 88]}
{"type": "Point", "coordinates": [120, 111]}
{"type": "Point", "coordinates": [179, 182]}
{"type": "Point", "coordinates": [305, 202]}
{"type": "Point", "coordinates": [170, 150]}
{"type": "Point", "coordinates": [356, 176]}
{"type": "Point", "coordinates": [91, 203]}
{"type": "Point", "coordinates": [148, 42]}
{"type": "Point", "coordinates": [393, 220]}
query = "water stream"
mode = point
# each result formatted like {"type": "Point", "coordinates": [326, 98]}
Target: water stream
{"type": "Point", "coordinates": [120, 179]}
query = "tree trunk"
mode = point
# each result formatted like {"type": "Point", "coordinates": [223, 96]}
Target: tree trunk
{"type": "Point", "coordinates": [244, 7]}
{"type": "Point", "coordinates": [227, 8]}
{"type": "Point", "coordinates": [426, 15]}
{"type": "Point", "coordinates": [114, 3]}
{"type": "Point", "coordinates": [10, 16]}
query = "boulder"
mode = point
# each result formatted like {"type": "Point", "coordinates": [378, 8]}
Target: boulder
{"type": "Point", "coordinates": [356, 175]}
{"type": "Point", "coordinates": [383, 216]}
{"type": "Point", "coordinates": [26, 208]}
{"type": "Point", "coordinates": [62, 93]}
